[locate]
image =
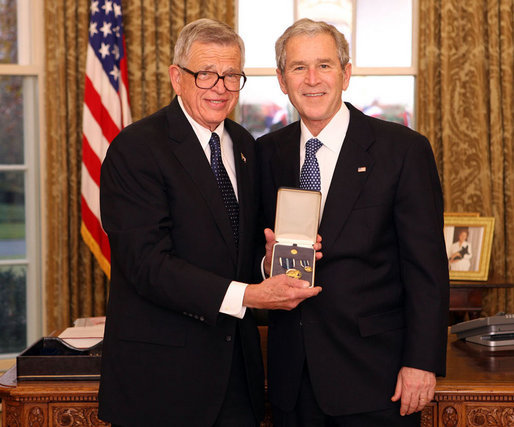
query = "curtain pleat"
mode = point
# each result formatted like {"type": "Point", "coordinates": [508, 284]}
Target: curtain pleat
{"type": "Point", "coordinates": [75, 286]}
{"type": "Point", "coordinates": [66, 24]}
{"type": "Point", "coordinates": [465, 107]}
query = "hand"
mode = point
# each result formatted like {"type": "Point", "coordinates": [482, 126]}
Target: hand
{"type": "Point", "coordinates": [278, 293]}
{"type": "Point", "coordinates": [415, 387]}
{"type": "Point", "coordinates": [270, 242]}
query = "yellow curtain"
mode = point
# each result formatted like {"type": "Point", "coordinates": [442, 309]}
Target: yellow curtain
{"type": "Point", "coordinates": [465, 106]}
{"type": "Point", "coordinates": [151, 28]}
{"type": "Point", "coordinates": [75, 286]}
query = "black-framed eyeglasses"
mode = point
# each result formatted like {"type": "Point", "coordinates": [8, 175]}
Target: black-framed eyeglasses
{"type": "Point", "coordinates": [233, 82]}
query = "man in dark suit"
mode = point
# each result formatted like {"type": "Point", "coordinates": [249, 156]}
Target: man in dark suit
{"type": "Point", "coordinates": [367, 350]}
{"type": "Point", "coordinates": [178, 202]}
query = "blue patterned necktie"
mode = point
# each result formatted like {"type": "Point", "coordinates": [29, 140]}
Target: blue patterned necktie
{"type": "Point", "coordinates": [310, 176]}
{"type": "Point", "coordinates": [225, 186]}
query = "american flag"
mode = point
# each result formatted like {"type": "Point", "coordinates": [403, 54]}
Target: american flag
{"type": "Point", "coordinates": [106, 112]}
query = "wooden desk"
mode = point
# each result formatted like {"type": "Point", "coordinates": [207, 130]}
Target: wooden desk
{"type": "Point", "coordinates": [48, 403]}
{"type": "Point", "coordinates": [478, 389]}
{"type": "Point", "coordinates": [466, 297]}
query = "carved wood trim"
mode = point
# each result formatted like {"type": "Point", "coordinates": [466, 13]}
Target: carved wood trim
{"type": "Point", "coordinates": [36, 416]}
{"type": "Point", "coordinates": [480, 416]}
{"type": "Point", "coordinates": [76, 415]}
{"type": "Point", "coordinates": [450, 416]}
{"type": "Point", "coordinates": [12, 414]}
{"type": "Point", "coordinates": [428, 416]}
{"type": "Point", "coordinates": [54, 398]}
{"type": "Point", "coordinates": [480, 397]}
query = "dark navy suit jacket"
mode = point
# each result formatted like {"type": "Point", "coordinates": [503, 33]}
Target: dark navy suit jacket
{"type": "Point", "coordinates": [167, 350]}
{"type": "Point", "coordinates": [384, 270]}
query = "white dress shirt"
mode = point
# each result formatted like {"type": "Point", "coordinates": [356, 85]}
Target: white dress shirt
{"type": "Point", "coordinates": [332, 137]}
{"type": "Point", "coordinates": [232, 304]}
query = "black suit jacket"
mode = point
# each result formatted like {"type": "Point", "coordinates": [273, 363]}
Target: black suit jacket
{"type": "Point", "coordinates": [384, 271]}
{"type": "Point", "coordinates": [167, 349]}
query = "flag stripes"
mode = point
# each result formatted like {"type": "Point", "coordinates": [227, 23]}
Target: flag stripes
{"type": "Point", "coordinates": [106, 112]}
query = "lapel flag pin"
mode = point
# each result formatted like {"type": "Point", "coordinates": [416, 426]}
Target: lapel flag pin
{"type": "Point", "coordinates": [243, 158]}
{"type": "Point", "coordinates": [361, 169]}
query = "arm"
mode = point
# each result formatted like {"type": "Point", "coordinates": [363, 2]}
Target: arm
{"type": "Point", "coordinates": [273, 293]}
{"type": "Point", "coordinates": [278, 293]}
{"type": "Point", "coordinates": [143, 210]}
{"type": "Point", "coordinates": [138, 216]}
{"type": "Point", "coordinates": [419, 224]}
{"type": "Point", "coordinates": [416, 388]}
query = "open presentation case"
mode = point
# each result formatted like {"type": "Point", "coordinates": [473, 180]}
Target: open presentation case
{"type": "Point", "coordinates": [296, 228]}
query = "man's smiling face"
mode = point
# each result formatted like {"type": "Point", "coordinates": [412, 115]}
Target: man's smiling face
{"type": "Point", "coordinates": [209, 107]}
{"type": "Point", "coordinates": [314, 79]}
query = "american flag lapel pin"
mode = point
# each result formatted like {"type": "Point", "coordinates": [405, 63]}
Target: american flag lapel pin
{"type": "Point", "coordinates": [361, 169]}
{"type": "Point", "coordinates": [243, 158]}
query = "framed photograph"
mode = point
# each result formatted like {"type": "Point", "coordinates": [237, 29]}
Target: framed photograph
{"type": "Point", "coordinates": [468, 242]}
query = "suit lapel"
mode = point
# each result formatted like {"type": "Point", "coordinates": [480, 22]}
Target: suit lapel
{"type": "Point", "coordinates": [352, 170]}
{"type": "Point", "coordinates": [240, 158]}
{"type": "Point", "coordinates": [286, 165]}
{"type": "Point", "coordinates": [189, 153]}
{"type": "Point", "coordinates": [243, 183]}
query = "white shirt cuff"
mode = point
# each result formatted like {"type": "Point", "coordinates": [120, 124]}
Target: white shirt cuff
{"type": "Point", "coordinates": [233, 302]}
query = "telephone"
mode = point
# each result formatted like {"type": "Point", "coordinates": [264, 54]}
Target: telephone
{"type": "Point", "coordinates": [492, 331]}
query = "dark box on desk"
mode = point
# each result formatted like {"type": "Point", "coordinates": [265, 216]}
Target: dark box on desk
{"type": "Point", "coordinates": [50, 358]}
{"type": "Point", "coordinates": [296, 228]}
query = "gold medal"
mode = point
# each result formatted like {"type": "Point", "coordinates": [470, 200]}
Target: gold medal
{"type": "Point", "coordinates": [294, 273]}
{"type": "Point", "coordinates": [305, 264]}
{"type": "Point", "coordinates": [294, 251]}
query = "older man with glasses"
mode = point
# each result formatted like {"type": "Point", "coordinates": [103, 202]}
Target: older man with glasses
{"type": "Point", "coordinates": [179, 204]}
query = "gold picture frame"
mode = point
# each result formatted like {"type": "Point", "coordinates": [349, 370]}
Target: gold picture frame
{"type": "Point", "coordinates": [468, 242]}
{"type": "Point", "coordinates": [461, 214]}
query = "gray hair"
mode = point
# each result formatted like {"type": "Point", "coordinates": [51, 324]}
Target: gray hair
{"type": "Point", "coordinates": [205, 31]}
{"type": "Point", "coordinates": [308, 27]}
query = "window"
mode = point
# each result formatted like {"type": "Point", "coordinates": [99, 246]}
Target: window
{"type": "Point", "coordinates": [20, 74]}
{"type": "Point", "coordinates": [382, 42]}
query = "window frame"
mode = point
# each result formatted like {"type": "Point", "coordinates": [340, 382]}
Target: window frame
{"type": "Point", "coordinates": [362, 71]}
{"type": "Point", "coordinates": [30, 66]}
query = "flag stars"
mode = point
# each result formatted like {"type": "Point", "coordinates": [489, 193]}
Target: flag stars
{"type": "Point", "coordinates": [106, 29]}
{"type": "Point", "coordinates": [115, 73]}
{"type": "Point", "coordinates": [107, 7]}
{"type": "Point", "coordinates": [94, 7]}
{"type": "Point", "coordinates": [104, 50]}
{"type": "Point", "coordinates": [117, 10]}
{"type": "Point", "coordinates": [116, 52]}
{"type": "Point", "coordinates": [105, 37]}
{"type": "Point", "coordinates": [92, 29]}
